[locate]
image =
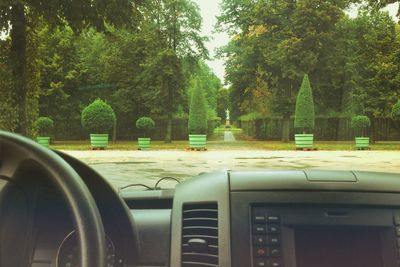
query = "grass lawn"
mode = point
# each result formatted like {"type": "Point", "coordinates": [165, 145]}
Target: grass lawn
{"type": "Point", "coordinates": [216, 144]}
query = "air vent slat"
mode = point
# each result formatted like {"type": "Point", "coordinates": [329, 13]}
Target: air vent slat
{"type": "Point", "coordinates": [200, 235]}
{"type": "Point", "coordinates": [198, 264]}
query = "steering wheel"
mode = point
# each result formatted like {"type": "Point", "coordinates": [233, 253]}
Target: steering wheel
{"type": "Point", "coordinates": [15, 150]}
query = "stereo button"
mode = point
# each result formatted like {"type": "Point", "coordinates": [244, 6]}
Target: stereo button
{"type": "Point", "coordinates": [259, 240]}
{"type": "Point", "coordinates": [260, 252]}
{"type": "Point", "coordinates": [260, 263]}
{"type": "Point", "coordinates": [259, 229]}
{"type": "Point", "coordinates": [274, 229]}
{"type": "Point", "coordinates": [396, 217]}
{"type": "Point", "coordinates": [273, 218]}
{"type": "Point", "coordinates": [274, 252]}
{"type": "Point", "coordinates": [273, 240]}
{"type": "Point", "coordinates": [274, 263]}
{"type": "Point", "coordinates": [259, 217]}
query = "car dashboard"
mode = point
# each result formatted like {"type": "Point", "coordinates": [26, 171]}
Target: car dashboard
{"type": "Point", "coordinates": [242, 219]}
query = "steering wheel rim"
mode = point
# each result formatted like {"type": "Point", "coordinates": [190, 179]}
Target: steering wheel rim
{"type": "Point", "coordinates": [15, 149]}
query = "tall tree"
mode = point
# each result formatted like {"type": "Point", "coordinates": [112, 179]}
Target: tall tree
{"type": "Point", "coordinates": [277, 43]}
{"type": "Point", "coordinates": [16, 17]}
{"type": "Point", "coordinates": [177, 24]}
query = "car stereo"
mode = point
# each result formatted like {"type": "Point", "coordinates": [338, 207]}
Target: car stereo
{"type": "Point", "coordinates": [324, 237]}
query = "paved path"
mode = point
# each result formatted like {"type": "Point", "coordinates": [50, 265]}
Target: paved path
{"type": "Point", "coordinates": [229, 137]}
{"type": "Point", "coordinates": [124, 167]}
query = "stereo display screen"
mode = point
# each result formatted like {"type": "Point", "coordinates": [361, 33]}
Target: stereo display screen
{"type": "Point", "coordinates": [336, 247]}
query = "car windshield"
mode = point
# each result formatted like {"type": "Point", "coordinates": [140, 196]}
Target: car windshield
{"type": "Point", "coordinates": [145, 90]}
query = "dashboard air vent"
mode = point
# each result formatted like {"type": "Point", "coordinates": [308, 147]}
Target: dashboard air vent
{"type": "Point", "coordinates": [200, 235]}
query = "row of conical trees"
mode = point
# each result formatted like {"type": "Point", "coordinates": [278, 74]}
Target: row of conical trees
{"type": "Point", "coordinates": [305, 119]}
{"type": "Point", "coordinates": [99, 119]}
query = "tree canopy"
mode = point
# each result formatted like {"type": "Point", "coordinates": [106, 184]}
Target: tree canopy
{"type": "Point", "coordinates": [353, 62]}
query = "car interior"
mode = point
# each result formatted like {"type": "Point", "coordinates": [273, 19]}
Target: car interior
{"type": "Point", "coordinates": [57, 211]}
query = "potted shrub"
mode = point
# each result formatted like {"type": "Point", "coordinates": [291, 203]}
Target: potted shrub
{"type": "Point", "coordinates": [198, 124]}
{"type": "Point", "coordinates": [360, 124]}
{"type": "Point", "coordinates": [98, 118]}
{"type": "Point", "coordinates": [304, 120]}
{"type": "Point", "coordinates": [44, 126]}
{"type": "Point", "coordinates": [144, 124]}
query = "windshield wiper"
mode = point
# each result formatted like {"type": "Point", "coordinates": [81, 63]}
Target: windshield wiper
{"type": "Point", "coordinates": [156, 186]}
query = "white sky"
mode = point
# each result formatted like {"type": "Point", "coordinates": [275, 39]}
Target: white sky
{"type": "Point", "coordinates": [210, 9]}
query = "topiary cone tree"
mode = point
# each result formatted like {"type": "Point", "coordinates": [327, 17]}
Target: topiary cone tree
{"type": "Point", "coordinates": [198, 119]}
{"type": "Point", "coordinates": [305, 114]}
{"type": "Point", "coordinates": [198, 112]}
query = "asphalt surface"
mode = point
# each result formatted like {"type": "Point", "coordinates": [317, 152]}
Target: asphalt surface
{"type": "Point", "coordinates": [127, 167]}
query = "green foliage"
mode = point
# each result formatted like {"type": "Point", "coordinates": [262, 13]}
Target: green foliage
{"type": "Point", "coordinates": [250, 117]}
{"type": "Point", "coordinates": [98, 117]}
{"type": "Point", "coordinates": [223, 103]}
{"type": "Point", "coordinates": [8, 108]}
{"type": "Point", "coordinates": [145, 124]}
{"type": "Point", "coordinates": [198, 112]}
{"type": "Point", "coordinates": [360, 122]}
{"type": "Point", "coordinates": [20, 18]}
{"type": "Point", "coordinates": [305, 114]}
{"type": "Point", "coordinates": [354, 62]}
{"type": "Point", "coordinates": [203, 76]}
{"type": "Point", "coordinates": [396, 111]}
{"type": "Point", "coordinates": [44, 126]}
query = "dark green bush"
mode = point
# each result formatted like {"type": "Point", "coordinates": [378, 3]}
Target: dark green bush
{"type": "Point", "coordinates": [305, 114]}
{"type": "Point", "coordinates": [145, 124]}
{"type": "Point", "coordinates": [360, 123]}
{"type": "Point", "coordinates": [44, 126]}
{"type": "Point", "coordinates": [98, 117]}
{"type": "Point", "coordinates": [396, 111]}
{"type": "Point", "coordinates": [198, 112]}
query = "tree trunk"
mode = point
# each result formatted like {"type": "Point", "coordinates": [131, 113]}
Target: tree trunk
{"type": "Point", "coordinates": [168, 135]}
{"type": "Point", "coordinates": [18, 64]}
{"type": "Point", "coordinates": [373, 134]}
{"type": "Point", "coordinates": [170, 104]}
{"type": "Point", "coordinates": [170, 115]}
{"type": "Point", "coordinates": [286, 129]}
{"type": "Point", "coordinates": [114, 138]}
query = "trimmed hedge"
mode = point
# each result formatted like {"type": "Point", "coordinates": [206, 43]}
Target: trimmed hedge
{"type": "Point", "coordinates": [360, 123]}
{"type": "Point", "coordinates": [44, 126]}
{"type": "Point", "coordinates": [98, 117]}
{"type": "Point", "coordinates": [396, 111]}
{"type": "Point", "coordinates": [145, 124]}
{"type": "Point", "coordinates": [305, 113]}
{"type": "Point", "coordinates": [198, 112]}
{"type": "Point", "coordinates": [326, 129]}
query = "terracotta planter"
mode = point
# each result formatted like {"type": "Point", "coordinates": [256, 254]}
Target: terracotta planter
{"type": "Point", "coordinates": [99, 140]}
{"type": "Point", "coordinates": [304, 140]}
{"type": "Point", "coordinates": [144, 143]}
{"type": "Point", "coordinates": [44, 141]}
{"type": "Point", "coordinates": [197, 141]}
